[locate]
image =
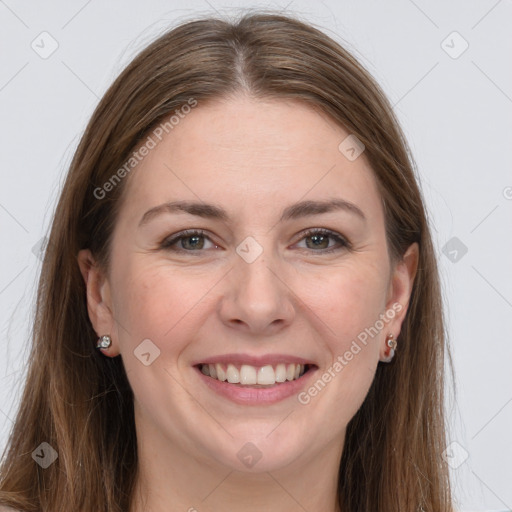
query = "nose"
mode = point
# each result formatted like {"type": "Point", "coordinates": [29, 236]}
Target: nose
{"type": "Point", "coordinates": [256, 299]}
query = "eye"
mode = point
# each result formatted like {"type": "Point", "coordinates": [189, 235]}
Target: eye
{"type": "Point", "coordinates": [322, 240]}
{"type": "Point", "coordinates": [190, 240]}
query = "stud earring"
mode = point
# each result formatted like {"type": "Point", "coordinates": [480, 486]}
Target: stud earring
{"type": "Point", "coordinates": [391, 343]}
{"type": "Point", "coordinates": [104, 341]}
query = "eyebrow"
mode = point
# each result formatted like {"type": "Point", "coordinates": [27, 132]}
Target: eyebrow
{"type": "Point", "coordinates": [306, 208]}
{"type": "Point", "coordinates": [295, 211]}
{"type": "Point", "coordinates": [193, 208]}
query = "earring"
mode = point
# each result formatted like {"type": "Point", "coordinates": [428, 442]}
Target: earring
{"type": "Point", "coordinates": [104, 341]}
{"type": "Point", "coordinates": [391, 343]}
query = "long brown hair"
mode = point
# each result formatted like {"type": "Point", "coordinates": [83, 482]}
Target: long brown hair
{"type": "Point", "coordinates": [80, 402]}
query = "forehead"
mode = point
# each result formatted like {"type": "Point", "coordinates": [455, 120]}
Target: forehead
{"type": "Point", "coordinates": [244, 151]}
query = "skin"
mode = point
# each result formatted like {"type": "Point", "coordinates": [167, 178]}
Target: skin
{"type": "Point", "coordinates": [252, 158]}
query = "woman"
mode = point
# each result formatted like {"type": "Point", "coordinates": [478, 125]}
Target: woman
{"type": "Point", "coordinates": [239, 249]}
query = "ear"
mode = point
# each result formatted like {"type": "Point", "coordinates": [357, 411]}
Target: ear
{"type": "Point", "coordinates": [400, 289]}
{"type": "Point", "coordinates": [99, 305]}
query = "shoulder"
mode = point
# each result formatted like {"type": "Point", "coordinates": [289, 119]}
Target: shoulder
{"type": "Point", "coordinates": [5, 508]}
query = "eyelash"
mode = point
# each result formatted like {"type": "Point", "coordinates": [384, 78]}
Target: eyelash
{"type": "Point", "coordinates": [169, 242]}
{"type": "Point", "coordinates": [340, 240]}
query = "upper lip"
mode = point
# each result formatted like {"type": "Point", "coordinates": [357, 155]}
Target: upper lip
{"type": "Point", "coordinates": [263, 360]}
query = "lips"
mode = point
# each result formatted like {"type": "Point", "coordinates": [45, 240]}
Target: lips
{"type": "Point", "coordinates": [248, 379]}
{"type": "Point", "coordinates": [258, 394]}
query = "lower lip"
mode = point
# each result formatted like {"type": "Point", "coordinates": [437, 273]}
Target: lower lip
{"type": "Point", "coordinates": [247, 395]}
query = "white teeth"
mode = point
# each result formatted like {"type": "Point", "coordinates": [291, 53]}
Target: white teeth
{"type": "Point", "coordinates": [266, 375]}
{"type": "Point", "coordinates": [232, 374]}
{"type": "Point", "coordinates": [281, 372]}
{"type": "Point", "coordinates": [250, 375]}
{"type": "Point", "coordinates": [247, 374]}
{"type": "Point", "coordinates": [221, 374]}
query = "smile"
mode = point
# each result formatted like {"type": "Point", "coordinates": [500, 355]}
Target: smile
{"type": "Point", "coordinates": [248, 375]}
{"type": "Point", "coordinates": [250, 380]}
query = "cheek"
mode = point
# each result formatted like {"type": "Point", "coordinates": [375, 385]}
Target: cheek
{"type": "Point", "coordinates": [164, 305]}
{"type": "Point", "coordinates": [349, 303]}
{"type": "Point", "coordinates": [348, 299]}
{"type": "Point", "coordinates": [159, 303]}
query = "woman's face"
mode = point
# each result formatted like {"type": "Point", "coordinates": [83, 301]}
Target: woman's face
{"type": "Point", "coordinates": [269, 260]}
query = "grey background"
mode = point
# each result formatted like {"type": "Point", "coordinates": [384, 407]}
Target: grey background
{"type": "Point", "coordinates": [455, 104]}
